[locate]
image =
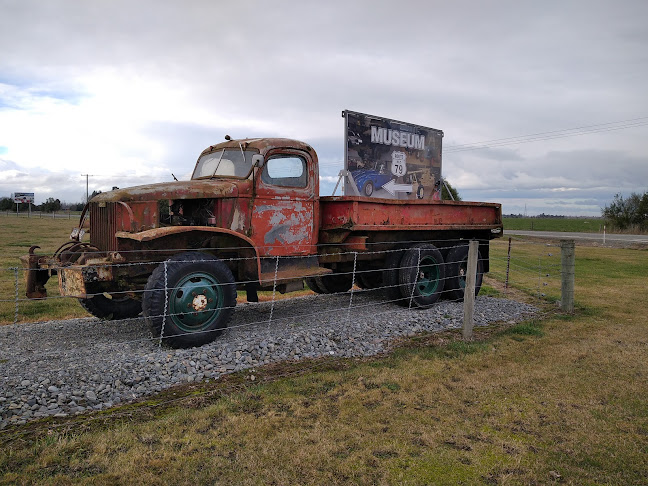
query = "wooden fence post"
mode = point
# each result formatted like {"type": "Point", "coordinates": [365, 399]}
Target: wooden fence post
{"type": "Point", "coordinates": [508, 264]}
{"type": "Point", "coordinates": [469, 291]}
{"type": "Point", "coordinates": [567, 275]}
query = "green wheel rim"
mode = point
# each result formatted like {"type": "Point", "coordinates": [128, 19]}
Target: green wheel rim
{"type": "Point", "coordinates": [428, 276]}
{"type": "Point", "coordinates": [195, 302]}
{"type": "Point", "coordinates": [463, 269]}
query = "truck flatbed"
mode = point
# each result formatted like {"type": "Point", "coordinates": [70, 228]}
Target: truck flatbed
{"type": "Point", "coordinates": [373, 214]}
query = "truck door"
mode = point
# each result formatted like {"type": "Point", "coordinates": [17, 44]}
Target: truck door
{"type": "Point", "coordinates": [284, 210]}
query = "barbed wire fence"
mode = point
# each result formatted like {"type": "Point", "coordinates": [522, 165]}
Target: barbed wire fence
{"type": "Point", "coordinates": [539, 270]}
{"type": "Point", "coordinates": [61, 214]}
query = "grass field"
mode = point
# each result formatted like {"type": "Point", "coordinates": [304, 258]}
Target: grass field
{"type": "Point", "coordinates": [558, 399]}
{"type": "Point", "coordinates": [16, 236]}
{"type": "Point", "coordinates": [578, 225]}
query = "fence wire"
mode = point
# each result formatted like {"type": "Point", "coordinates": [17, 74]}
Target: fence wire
{"type": "Point", "coordinates": [533, 268]}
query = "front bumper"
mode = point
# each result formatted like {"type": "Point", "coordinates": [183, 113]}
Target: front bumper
{"type": "Point", "coordinates": [74, 279]}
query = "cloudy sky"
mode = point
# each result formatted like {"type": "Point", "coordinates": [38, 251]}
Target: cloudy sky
{"type": "Point", "coordinates": [131, 91]}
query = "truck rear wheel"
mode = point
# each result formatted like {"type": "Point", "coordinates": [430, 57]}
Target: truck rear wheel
{"type": "Point", "coordinates": [334, 283]}
{"type": "Point", "coordinates": [422, 275]}
{"type": "Point", "coordinates": [198, 303]}
{"type": "Point", "coordinates": [115, 307]}
{"type": "Point", "coordinates": [456, 265]}
{"type": "Point", "coordinates": [314, 285]}
{"type": "Point", "coordinates": [390, 277]}
{"type": "Point", "coordinates": [369, 279]}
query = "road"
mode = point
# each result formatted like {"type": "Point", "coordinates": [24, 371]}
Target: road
{"type": "Point", "coordinates": [609, 239]}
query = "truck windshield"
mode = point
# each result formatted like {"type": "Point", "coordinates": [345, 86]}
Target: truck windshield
{"type": "Point", "coordinates": [227, 162]}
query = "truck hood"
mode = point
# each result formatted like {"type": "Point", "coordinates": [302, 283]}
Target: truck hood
{"type": "Point", "coordinates": [195, 189]}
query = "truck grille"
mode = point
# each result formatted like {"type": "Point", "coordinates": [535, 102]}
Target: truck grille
{"type": "Point", "coordinates": [103, 225]}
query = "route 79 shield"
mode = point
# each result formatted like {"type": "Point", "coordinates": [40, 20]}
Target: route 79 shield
{"type": "Point", "coordinates": [398, 166]}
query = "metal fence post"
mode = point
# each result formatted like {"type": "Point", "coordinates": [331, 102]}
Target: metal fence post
{"type": "Point", "coordinates": [166, 302]}
{"type": "Point", "coordinates": [16, 292]}
{"type": "Point", "coordinates": [469, 291]}
{"type": "Point", "coordinates": [567, 275]}
{"type": "Point", "coordinates": [353, 282]}
{"type": "Point", "coordinates": [274, 290]}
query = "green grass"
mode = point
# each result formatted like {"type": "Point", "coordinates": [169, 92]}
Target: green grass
{"type": "Point", "coordinates": [16, 236]}
{"type": "Point", "coordinates": [531, 328]}
{"type": "Point", "coordinates": [579, 225]}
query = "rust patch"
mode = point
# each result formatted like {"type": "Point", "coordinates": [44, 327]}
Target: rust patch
{"type": "Point", "coordinates": [71, 282]}
{"type": "Point", "coordinates": [194, 189]}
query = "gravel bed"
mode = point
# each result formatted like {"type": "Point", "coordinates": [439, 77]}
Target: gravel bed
{"type": "Point", "coordinates": [62, 368]}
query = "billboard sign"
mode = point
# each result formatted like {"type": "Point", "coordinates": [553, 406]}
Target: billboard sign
{"type": "Point", "coordinates": [391, 159]}
{"type": "Point", "coordinates": [23, 197]}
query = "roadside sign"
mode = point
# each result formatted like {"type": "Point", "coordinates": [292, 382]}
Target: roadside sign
{"type": "Point", "coordinates": [391, 159]}
{"type": "Point", "coordinates": [23, 197]}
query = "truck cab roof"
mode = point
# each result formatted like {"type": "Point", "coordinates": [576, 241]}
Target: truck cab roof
{"type": "Point", "coordinates": [263, 145]}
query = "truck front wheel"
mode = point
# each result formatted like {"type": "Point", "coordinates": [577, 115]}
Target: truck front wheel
{"type": "Point", "coordinates": [422, 275]}
{"type": "Point", "coordinates": [198, 301]}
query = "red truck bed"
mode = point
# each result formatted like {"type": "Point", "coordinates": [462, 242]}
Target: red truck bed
{"type": "Point", "coordinates": [373, 214]}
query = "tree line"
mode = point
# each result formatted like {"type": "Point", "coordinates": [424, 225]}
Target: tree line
{"type": "Point", "coordinates": [51, 205]}
{"type": "Point", "coordinates": [629, 213]}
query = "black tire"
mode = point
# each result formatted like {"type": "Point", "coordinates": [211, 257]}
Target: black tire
{"type": "Point", "coordinates": [369, 279]}
{"type": "Point", "coordinates": [313, 284]}
{"type": "Point", "coordinates": [456, 265]}
{"type": "Point", "coordinates": [422, 275]}
{"type": "Point", "coordinates": [368, 188]}
{"type": "Point", "coordinates": [195, 281]}
{"type": "Point", "coordinates": [115, 307]}
{"type": "Point", "coordinates": [390, 277]}
{"type": "Point", "coordinates": [334, 283]}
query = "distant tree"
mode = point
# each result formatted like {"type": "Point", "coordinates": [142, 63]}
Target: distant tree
{"type": "Point", "coordinates": [445, 195]}
{"type": "Point", "coordinates": [51, 205]}
{"type": "Point", "coordinates": [625, 213]}
{"type": "Point", "coordinates": [643, 209]}
{"type": "Point", "coordinates": [7, 204]}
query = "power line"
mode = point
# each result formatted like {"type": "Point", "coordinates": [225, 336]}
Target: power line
{"type": "Point", "coordinates": [566, 132]}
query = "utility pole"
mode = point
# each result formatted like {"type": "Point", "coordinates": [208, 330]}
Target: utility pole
{"type": "Point", "coordinates": [87, 194]}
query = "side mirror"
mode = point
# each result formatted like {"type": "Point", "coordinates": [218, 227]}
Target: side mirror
{"type": "Point", "coordinates": [257, 160]}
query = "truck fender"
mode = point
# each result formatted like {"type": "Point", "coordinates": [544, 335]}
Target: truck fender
{"type": "Point", "coordinates": [158, 238]}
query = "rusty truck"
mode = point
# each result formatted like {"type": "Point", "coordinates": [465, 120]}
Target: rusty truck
{"type": "Point", "coordinates": [251, 218]}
